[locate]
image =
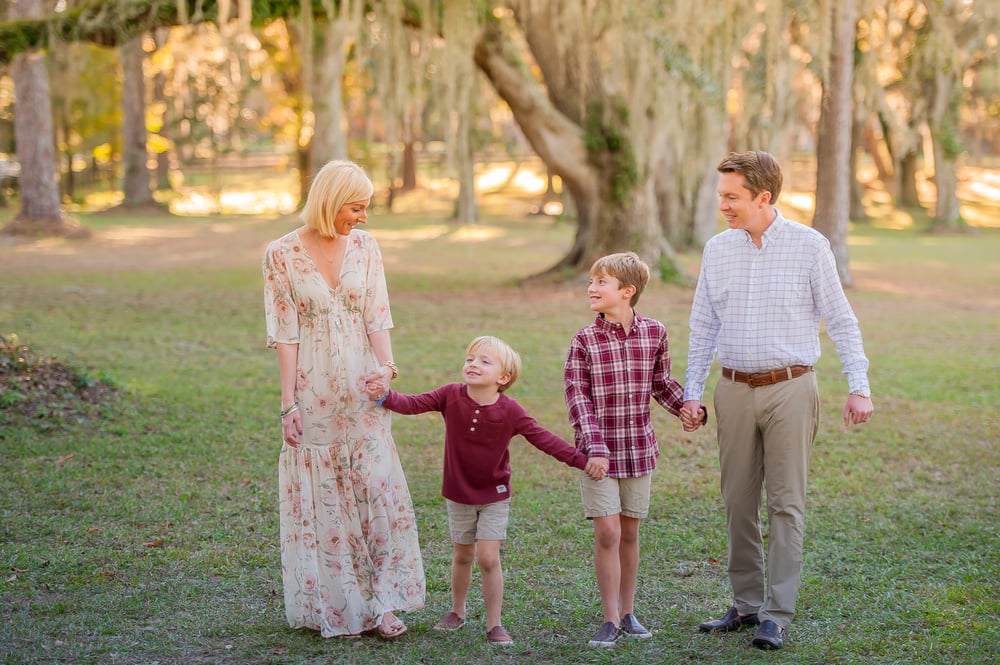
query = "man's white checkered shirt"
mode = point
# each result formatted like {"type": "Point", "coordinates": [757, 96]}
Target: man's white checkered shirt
{"type": "Point", "coordinates": [761, 308]}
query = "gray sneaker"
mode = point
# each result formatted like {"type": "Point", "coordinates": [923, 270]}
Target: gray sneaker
{"type": "Point", "coordinates": [632, 628]}
{"type": "Point", "coordinates": [606, 636]}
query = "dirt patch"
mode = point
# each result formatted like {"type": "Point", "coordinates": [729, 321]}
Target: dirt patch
{"type": "Point", "coordinates": [45, 392]}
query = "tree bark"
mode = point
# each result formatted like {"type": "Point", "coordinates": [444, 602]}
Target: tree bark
{"type": "Point", "coordinates": [943, 121]}
{"type": "Point", "coordinates": [834, 144]}
{"type": "Point", "coordinates": [908, 196]}
{"type": "Point", "coordinates": [40, 212]}
{"type": "Point", "coordinates": [857, 205]}
{"type": "Point", "coordinates": [614, 212]}
{"type": "Point", "coordinates": [135, 181]}
{"type": "Point", "coordinates": [329, 140]}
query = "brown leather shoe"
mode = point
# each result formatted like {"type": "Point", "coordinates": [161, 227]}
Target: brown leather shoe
{"type": "Point", "coordinates": [729, 621]}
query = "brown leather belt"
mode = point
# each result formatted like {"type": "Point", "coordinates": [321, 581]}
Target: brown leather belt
{"type": "Point", "coordinates": [767, 378]}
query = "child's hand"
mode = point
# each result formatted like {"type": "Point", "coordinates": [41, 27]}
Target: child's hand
{"type": "Point", "coordinates": [596, 467]}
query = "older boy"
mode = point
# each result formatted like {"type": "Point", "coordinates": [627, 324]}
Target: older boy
{"type": "Point", "coordinates": [613, 367]}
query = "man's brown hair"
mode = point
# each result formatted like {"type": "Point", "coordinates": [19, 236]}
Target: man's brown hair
{"type": "Point", "coordinates": [760, 170]}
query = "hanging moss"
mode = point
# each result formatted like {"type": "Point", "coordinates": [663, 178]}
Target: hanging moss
{"type": "Point", "coordinates": [610, 150]}
{"type": "Point", "coordinates": [112, 22]}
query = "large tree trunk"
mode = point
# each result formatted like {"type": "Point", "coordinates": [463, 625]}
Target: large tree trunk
{"type": "Point", "coordinates": [615, 204]}
{"type": "Point", "coordinates": [834, 145]}
{"type": "Point", "coordinates": [135, 182]}
{"type": "Point", "coordinates": [160, 99]}
{"type": "Point", "coordinates": [40, 212]}
{"type": "Point", "coordinates": [466, 211]}
{"type": "Point", "coordinates": [907, 193]}
{"type": "Point", "coordinates": [329, 141]}
{"type": "Point", "coordinates": [943, 121]}
{"type": "Point", "coordinates": [857, 205]}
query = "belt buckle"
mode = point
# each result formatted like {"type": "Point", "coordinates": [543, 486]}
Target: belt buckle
{"type": "Point", "coordinates": [759, 380]}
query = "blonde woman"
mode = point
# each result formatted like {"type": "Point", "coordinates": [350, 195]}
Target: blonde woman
{"type": "Point", "coordinates": [350, 558]}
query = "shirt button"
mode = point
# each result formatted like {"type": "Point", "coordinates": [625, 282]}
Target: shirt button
{"type": "Point", "coordinates": [472, 429]}
{"type": "Point", "coordinates": [477, 410]}
{"type": "Point", "coordinates": [475, 420]}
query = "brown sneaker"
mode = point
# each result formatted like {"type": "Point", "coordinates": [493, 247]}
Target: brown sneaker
{"type": "Point", "coordinates": [450, 621]}
{"type": "Point", "coordinates": [498, 636]}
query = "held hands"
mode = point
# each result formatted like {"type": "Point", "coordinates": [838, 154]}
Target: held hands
{"type": "Point", "coordinates": [691, 415]}
{"type": "Point", "coordinates": [374, 386]}
{"type": "Point", "coordinates": [596, 467]}
{"type": "Point", "coordinates": [857, 410]}
{"type": "Point", "coordinates": [377, 383]}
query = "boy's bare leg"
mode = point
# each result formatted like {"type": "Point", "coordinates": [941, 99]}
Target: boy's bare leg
{"type": "Point", "coordinates": [488, 557]}
{"type": "Point", "coordinates": [628, 552]}
{"type": "Point", "coordinates": [461, 576]}
{"type": "Point", "coordinates": [608, 564]}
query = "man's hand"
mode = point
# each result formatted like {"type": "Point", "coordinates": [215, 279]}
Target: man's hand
{"type": "Point", "coordinates": [857, 410]}
{"type": "Point", "coordinates": [691, 415]}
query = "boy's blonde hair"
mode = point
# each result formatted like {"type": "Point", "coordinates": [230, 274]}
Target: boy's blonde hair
{"type": "Point", "coordinates": [510, 361]}
{"type": "Point", "coordinates": [338, 182]}
{"type": "Point", "coordinates": [627, 268]}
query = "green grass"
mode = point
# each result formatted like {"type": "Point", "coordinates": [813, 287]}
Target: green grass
{"type": "Point", "coordinates": [156, 542]}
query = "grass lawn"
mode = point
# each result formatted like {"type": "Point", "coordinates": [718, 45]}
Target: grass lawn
{"type": "Point", "coordinates": [149, 534]}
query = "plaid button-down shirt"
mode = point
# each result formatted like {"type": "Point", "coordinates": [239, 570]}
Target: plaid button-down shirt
{"type": "Point", "coordinates": [609, 377]}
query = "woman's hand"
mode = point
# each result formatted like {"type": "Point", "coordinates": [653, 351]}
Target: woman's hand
{"type": "Point", "coordinates": [374, 387]}
{"type": "Point", "coordinates": [291, 428]}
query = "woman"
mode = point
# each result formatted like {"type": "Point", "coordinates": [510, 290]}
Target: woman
{"type": "Point", "coordinates": [350, 557]}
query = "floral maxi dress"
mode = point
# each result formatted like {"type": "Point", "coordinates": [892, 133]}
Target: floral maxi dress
{"type": "Point", "coordinates": [349, 547]}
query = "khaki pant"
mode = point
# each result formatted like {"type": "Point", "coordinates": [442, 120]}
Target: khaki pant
{"type": "Point", "coordinates": [765, 437]}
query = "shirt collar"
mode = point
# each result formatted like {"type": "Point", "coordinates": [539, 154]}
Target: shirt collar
{"type": "Point", "coordinates": [774, 228]}
{"type": "Point", "coordinates": [617, 328]}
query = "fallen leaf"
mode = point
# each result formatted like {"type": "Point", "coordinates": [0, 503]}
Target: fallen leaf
{"type": "Point", "coordinates": [155, 543]}
{"type": "Point", "coordinates": [65, 458]}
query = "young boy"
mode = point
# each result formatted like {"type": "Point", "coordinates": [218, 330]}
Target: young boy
{"type": "Point", "coordinates": [480, 422]}
{"type": "Point", "coordinates": [613, 367]}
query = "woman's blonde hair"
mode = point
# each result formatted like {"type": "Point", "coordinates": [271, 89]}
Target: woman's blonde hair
{"type": "Point", "coordinates": [627, 268]}
{"type": "Point", "coordinates": [510, 361]}
{"type": "Point", "coordinates": [338, 182]}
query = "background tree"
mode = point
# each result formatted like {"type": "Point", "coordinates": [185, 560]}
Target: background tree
{"type": "Point", "coordinates": [40, 212]}
{"type": "Point", "coordinates": [955, 37]}
{"type": "Point", "coordinates": [833, 172]}
{"type": "Point", "coordinates": [136, 184]}
{"type": "Point", "coordinates": [603, 112]}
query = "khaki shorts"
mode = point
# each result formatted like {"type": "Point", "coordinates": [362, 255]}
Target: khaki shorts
{"type": "Point", "coordinates": [615, 496]}
{"type": "Point", "coordinates": [469, 524]}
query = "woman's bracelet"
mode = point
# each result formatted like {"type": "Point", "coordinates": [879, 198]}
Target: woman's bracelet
{"type": "Point", "coordinates": [392, 367]}
{"type": "Point", "coordinates": [290, 410]}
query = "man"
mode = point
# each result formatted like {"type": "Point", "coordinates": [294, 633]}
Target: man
{"type": "Point", "coordinates": [764, 284]}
